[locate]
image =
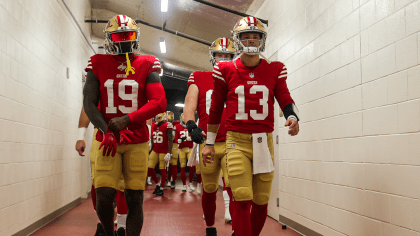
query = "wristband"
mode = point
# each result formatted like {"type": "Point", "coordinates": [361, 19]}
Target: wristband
{"type": "Point", "coordinates": [81, 133]}
{"type": "Point", "coordinates": [211, 138]}
{"type": "Point", "coordinates": [292, 117]}
{"type": "Point", "coordinates": [210, 145]}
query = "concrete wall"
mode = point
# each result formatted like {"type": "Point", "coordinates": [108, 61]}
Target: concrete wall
{"type": "Point", "coordinates": [40, 171]}
{"type": "Point", "coordinates": [354, 73]}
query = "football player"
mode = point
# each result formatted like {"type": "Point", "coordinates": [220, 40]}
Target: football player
{"type": "Point", "coordinates": [173, 163]}
{"type": "Point", "coordinates": [198, 98]}
{"type": "Point", "coordinates": [185, 150]}
{"type": "Point", "coordinates": [248, 85]}
{"type": "Point", "coordinates": [161, 145]}
{"type": "Point", "coordinates": [129, 91]}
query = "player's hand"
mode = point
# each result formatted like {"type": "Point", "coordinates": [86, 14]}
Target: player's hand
{"type": "Point", "coordinates": [208, 155]}
{"type": "Point", "coordinates": [293, 127]}
{"type": "Point", "coordinates": [198, 135]}
{"type": "Point", "coordinates": [80, 147]}
{"type": "Point", "coordinates": [188, 139]}
{"type": "Point", "coordinates": [110, 144]}
{"type": "Point", "coordinates": [124, 139]}
{"type": "Point", "coordinates": [168, 157]}
{"type": "Point", "coordinates": [118, 123]}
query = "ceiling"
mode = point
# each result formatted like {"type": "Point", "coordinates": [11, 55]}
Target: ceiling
{"type": "Point", "coordinates": [187, 17]}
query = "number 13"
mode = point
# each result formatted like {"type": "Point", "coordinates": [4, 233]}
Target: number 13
{"type": "Point", "coordinates": [242, 115]}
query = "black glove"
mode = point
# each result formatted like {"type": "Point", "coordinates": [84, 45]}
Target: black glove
{"type": "Point", "coordinates": [195, 132]}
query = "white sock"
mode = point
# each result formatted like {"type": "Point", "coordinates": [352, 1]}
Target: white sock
{"type": "Point", "coordinates": [121, 220]}
{"type": "Point", "coordinates": [226, 198]}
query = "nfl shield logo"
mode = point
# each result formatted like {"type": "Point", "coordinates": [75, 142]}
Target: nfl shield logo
{"type": "Point", "coordinates": [232, 146]}
{"type": "Point", "coordinates": [259, 139]}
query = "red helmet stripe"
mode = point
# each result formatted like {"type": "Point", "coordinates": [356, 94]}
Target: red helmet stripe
{"type": "Point", "coordinates": [119, 20]}
{"type": "Point", "coordinates": [255, 21]}
{"type": "Point", "coordinates": [249, 21]}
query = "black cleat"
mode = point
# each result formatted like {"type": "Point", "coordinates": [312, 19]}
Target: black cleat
{"type": "Point", "coordinates": [211, 231]}
{"type": "Point", "coordinates": [233, 233]}
{"type": "Point", "coordinates": [120, 231]}
{"type": "Point", "coordinates": [156, 189]}
{"type": "Point", "coordinates": [99, 230]}
{"type": "Point", "coordinates": [173, 185]}
{"type": "Point", "coordinates": [160, 192]}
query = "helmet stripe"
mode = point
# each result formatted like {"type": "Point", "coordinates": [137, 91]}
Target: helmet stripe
{"type": "Point", "coordinates": [249, 21]}
{"type": "Point", "coordinates": [255, 21]}
{"type": "Point", "coordinates": [227, 43]}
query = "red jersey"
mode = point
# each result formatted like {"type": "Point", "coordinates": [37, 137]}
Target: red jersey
{"type": "Point", "coordinates": [160, 137]}
{"type": "Point", "coordinates": [174, 124]}
{"type": "Point", "coordinates": [123, 94]}
{"type": "Point", "coordinates": [182, 132]}
{"type": "Point", "coordinates": [204, 82]}
{"type": "Point", "coordinates": [249, 95]}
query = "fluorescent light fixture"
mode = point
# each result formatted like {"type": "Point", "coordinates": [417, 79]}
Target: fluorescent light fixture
{"type": "Point", "coordinates": [180, 105]}
{"type": "Point", "coordinates": [164, 5]}
{"type": "Point", "coordinates": [161, 72]}
{"type": "Point", "coordinates": [162, 45]}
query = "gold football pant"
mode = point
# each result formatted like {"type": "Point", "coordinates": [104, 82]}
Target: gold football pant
{"type": "Point", "coordinates": [134, 158]}
{"type": "Point", "coordinates": [210, 173]}
{"type": "Point", "coordinates": [246, 186]}
{"type": "Point", "coordinates": [155, 158]}
{"type": "Point", "coordinates": [93, 149]}
{"type": "Point", "coordinates": [174, 152]}
{"type": "Point", "coordinates": [183, 154]}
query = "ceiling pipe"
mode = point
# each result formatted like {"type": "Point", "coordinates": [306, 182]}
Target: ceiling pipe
{"type": "Point", "coordinates": [229, 10]}
{"type": "Point", "coordinates": [160, 28]}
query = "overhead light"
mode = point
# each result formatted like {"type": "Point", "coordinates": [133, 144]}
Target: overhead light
{"type": "Point", "coordinates": [180, 105]}
{"type": "Point", "coordinates": [161, 72]}
{"type": "Point", "coordinates": [162, 45]}
{"type": "Point", "coordinates": [164, 5]}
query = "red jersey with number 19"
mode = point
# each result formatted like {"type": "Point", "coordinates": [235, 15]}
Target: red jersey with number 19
{"type": "Point", "coordinates": [160, 137]}
{"type": "Point", "coordinates": [204, 82]}
{"type": "Point", "coordinates": [249, 95]}
{"type": "Point", "coordinates": [123, 94]}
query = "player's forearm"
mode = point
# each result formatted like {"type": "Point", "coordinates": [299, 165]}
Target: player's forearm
{"type": "Point", "coordinates": [90, 102]}
{"type": "Point", "coordinates": [83, 119]}
{"type": "Point", "coordinates": [191, 103]}
{"type": "Point", "coordinates": [170, 144]}
{"type": "Point", "coordinates": [157, 103]}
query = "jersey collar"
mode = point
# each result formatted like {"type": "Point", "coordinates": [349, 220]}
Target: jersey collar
{"type": "Point", "coordinates": [243, 67]}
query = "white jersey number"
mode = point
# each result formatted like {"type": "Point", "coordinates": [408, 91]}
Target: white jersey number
{"type": "Point", "coordinates": [242, 115]}
{"type": "Point", "coordinates": [111, 109]}
{"type": "Point", "coordinates": [157, 137]}
{"type": "Point", "coordinates": [184, 134]}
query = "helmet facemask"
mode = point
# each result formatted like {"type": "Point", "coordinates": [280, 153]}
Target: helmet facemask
{"type": "Point", "coordinates": [249, 25]}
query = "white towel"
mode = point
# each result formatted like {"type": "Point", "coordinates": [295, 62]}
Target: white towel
{"type": "Point", "coordinates": [192, 161]}
{"type": "Point", "coordinates": [262, 162]}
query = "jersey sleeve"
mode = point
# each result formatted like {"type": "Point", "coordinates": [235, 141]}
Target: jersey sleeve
{"type": "Point", "coordinates": [281, 92]}
{"type": "Point", "coordinates": [154, 65]}
{"type": "Point", "coordinates": [91, 65]}
{"type": "Point", "coordinates": [218, 97]}
{"type": "Point", "coordinates": [191, 80]}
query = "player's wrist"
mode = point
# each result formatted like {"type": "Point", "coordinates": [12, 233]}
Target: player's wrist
{"type": "Point", "coordinates": [211, 138]}
{"type": "Point", "coordinates": [81, 133]}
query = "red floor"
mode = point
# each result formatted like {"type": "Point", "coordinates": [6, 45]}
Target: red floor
{"type": "Point", "coordinates": [175, 214]}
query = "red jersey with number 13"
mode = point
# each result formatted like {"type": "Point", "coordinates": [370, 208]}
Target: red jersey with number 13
{"type": "Point", "coordinates": [249, 95]}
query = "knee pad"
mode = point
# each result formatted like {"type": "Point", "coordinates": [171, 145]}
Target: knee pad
{"type": "Point", "coordinates": [242, 194]}
{"type": "Point", "coordinates": [262, 196]}
{"type": "Point", "coordinates": [210, 187]}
